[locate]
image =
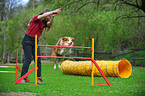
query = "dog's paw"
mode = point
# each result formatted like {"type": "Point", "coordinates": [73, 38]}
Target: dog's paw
{"type": "Point", "coordinates": [59, 66]}
{"type": "Point", "coordinates": [54, 66]}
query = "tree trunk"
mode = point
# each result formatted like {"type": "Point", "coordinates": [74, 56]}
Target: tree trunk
{"type": "Point", "coordinates": [22, 56]}
{"type": "Point", "coordinates": [143, 5]}
{"type": "Point", "coordinates": [4, 52]}
{"type": "Point", "coordinates": [8, 60]}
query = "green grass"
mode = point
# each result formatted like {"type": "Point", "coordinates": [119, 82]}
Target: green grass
{"type": "Point", "coordinates": [57, 83]}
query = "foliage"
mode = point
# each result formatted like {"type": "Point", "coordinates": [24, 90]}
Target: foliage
{"type": "Point", "coordinates": [1, 35]}
{"type": "Point", "coordinates": [57, 83]}
{"type": "Point", "coordinates": [112, 25]}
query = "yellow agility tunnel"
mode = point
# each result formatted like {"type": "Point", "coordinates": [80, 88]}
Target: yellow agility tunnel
{"type": "Point", "coordinates": [121, 68]}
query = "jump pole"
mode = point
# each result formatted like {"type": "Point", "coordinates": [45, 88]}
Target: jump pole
{"type": "Point", "coordinates": [92, 65]}
{"type": "Point", "coordinates": [7, 71]}
{"type": "Point", "coordinates": [7, 67]}
{"type": "Point", "coordinates": [36, 59]}
{"type": "Point", "coordinates": [16, 64]}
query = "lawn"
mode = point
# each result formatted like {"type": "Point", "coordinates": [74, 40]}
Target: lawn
{"type": "Point", "coordinates": [59, 84]}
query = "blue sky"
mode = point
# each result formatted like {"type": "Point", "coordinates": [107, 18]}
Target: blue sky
{"type": "Point", "coordinates": [24, 2]}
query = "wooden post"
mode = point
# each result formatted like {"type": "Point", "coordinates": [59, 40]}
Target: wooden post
{"type": "Point", "coordinates": [134, 57]}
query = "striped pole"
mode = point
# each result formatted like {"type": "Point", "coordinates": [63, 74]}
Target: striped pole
{"type": "Point", "coordinates": [7, 67]}
{"type": "Point", "coordinates": [7, 71]}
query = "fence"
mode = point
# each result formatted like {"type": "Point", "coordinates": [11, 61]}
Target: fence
{"type": "Point", "coordinates": [99, 55]}
{"type": "Point", "coordinates": [134, 56]}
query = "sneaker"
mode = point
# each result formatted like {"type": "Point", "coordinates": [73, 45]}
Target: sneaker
{"type": "Point", "coordinates": [23, 81]}
{"type": "Point", "coordinates": [39, 81]}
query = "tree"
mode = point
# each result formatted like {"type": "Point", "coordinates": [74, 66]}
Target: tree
{"type": "Point", "coordinates": [139, 4]}
{"type": "Point", "coordinates": [7, 12]}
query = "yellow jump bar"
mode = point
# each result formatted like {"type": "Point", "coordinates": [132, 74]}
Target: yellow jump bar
{"type": "Point", "coordinates": [7, 71]}
{"type": "Point", "coordinates": [7, 67]}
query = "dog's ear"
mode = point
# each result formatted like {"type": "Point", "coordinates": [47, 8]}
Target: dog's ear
{"type": "Point", "coordinates": [64, 38]}
{"type": "Point", "coordinates": [73, 39]}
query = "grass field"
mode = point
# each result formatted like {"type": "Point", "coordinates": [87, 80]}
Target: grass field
{"type": "Point", "coordinates": [59, 84]}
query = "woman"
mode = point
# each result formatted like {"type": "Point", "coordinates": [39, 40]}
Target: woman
{"type": "Point", "coordinates": [39, 22]}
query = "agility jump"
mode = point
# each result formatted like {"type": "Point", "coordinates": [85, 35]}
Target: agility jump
{"type": "Point", "coordinates": [7, 71]}
{"type": "Point", "coordinates": [92, 59]}
{"type": "Point", "coordinates": [92, 65]}
{"type": "Point", "coordinates": [120, 68]}
{"type": "Point", "coordinates": [16, 69]}
{"type": "Point", "coordinates": [24, 76]}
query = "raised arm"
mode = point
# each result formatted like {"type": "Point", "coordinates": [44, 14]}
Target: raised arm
{"type": "Point", "coordinates": [49, 13]}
